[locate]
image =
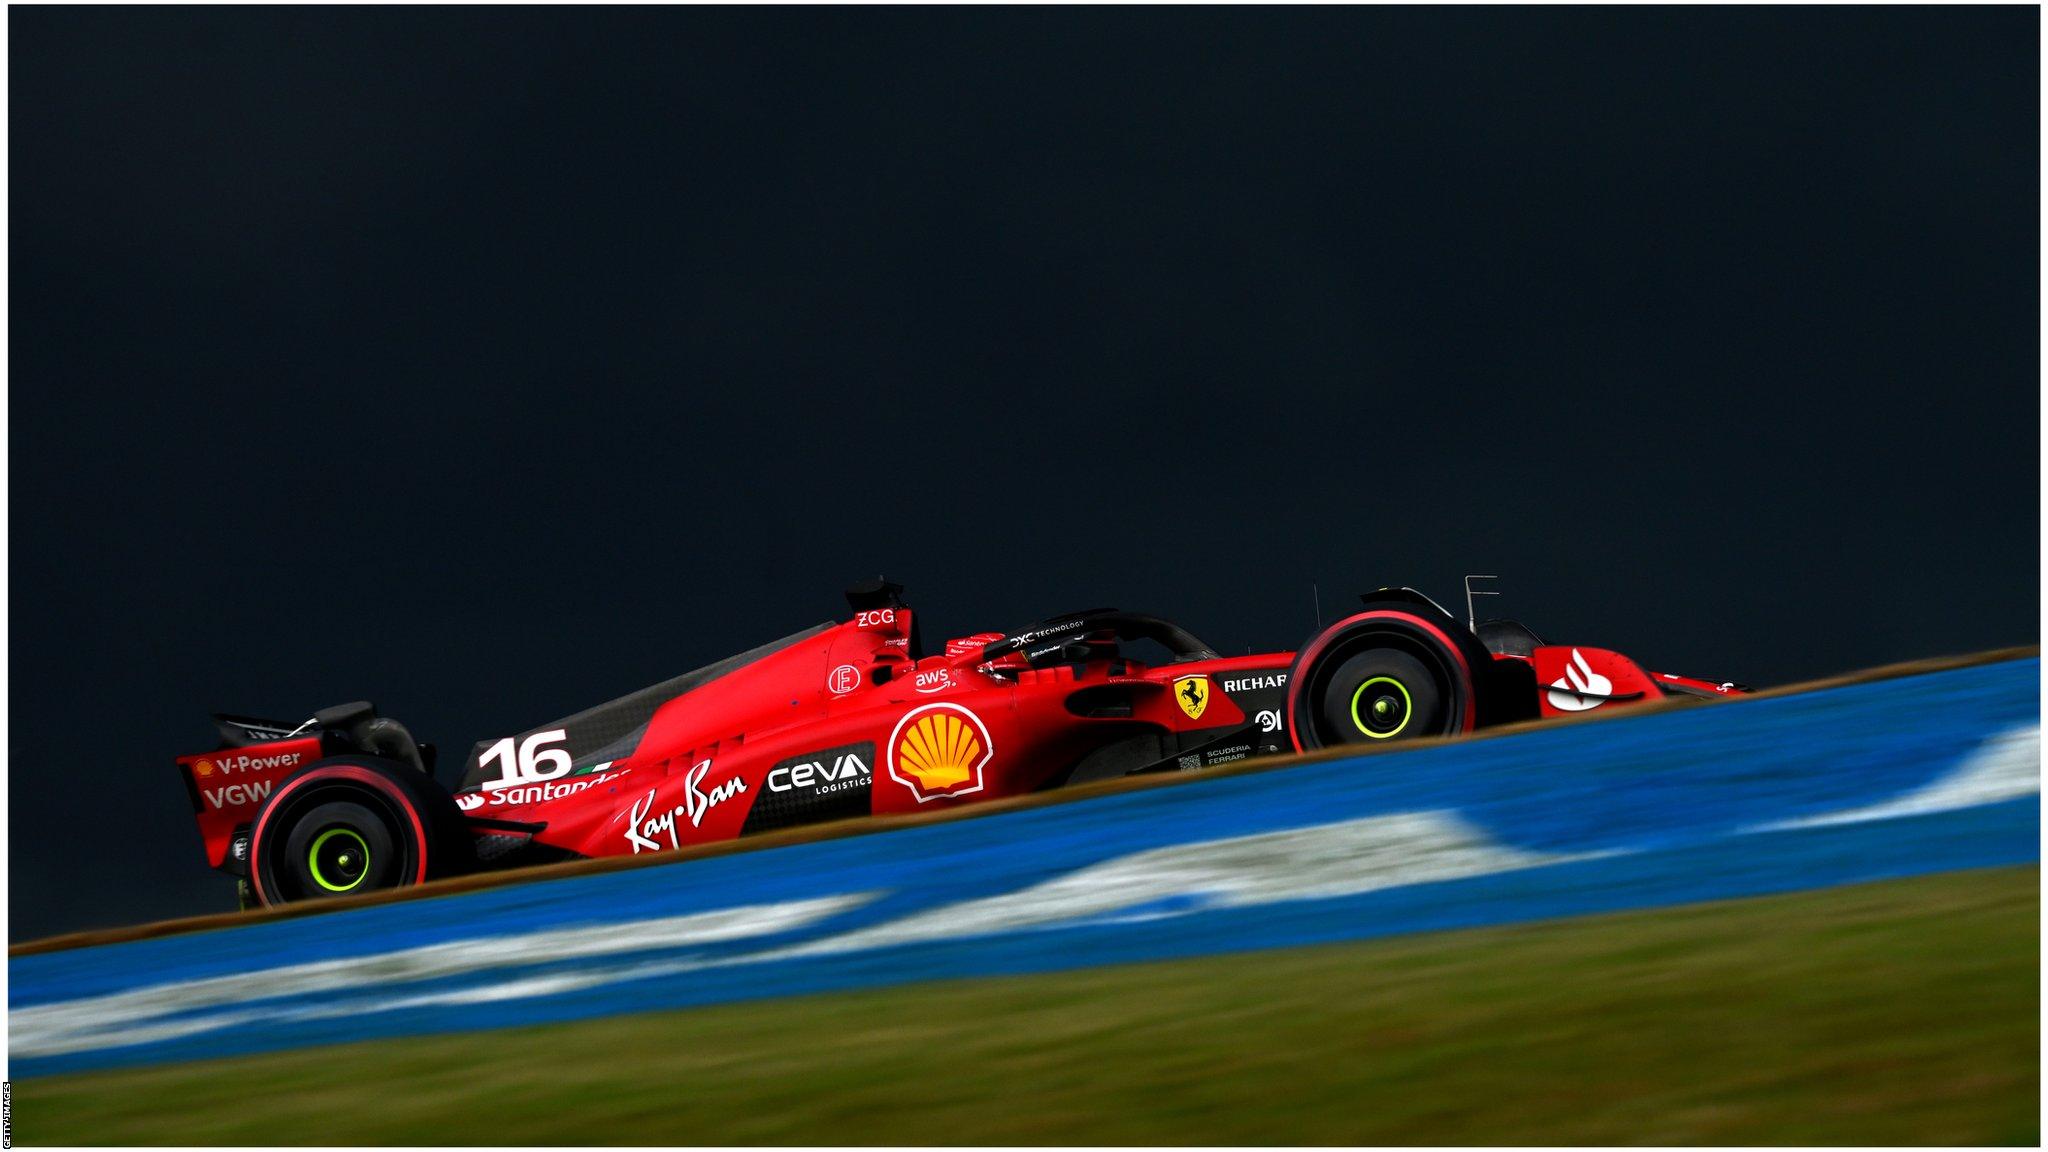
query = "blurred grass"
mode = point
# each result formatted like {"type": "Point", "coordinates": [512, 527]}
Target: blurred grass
{"type": "Point", "coordinates": [1905, 1012]}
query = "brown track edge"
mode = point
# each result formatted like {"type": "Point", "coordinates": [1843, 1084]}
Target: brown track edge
{"type": "Point", "coordinates": [864, 826]}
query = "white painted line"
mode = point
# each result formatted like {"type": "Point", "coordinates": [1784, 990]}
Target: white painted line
{"type": "Point", "coordinates": [2005, 767]}
{"type": "Point", "coordinates": [1327, 860]}
{"type": "Point", "coordinates": [105, 1021]}
{"type": "Point", "coordinates": [1339, 859]}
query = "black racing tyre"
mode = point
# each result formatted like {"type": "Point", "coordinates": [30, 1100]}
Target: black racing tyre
{"type": "Point", "coordinates": [1378, 678]}
{"type": "Point", "coordinates": [353, 825]}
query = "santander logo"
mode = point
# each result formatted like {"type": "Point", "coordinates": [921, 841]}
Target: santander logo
{"type": "Point", "coordinates": [1579, 677]}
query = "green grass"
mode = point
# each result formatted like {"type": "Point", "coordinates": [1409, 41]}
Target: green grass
{"type": "Point", "coordinates": [1897, 1013]}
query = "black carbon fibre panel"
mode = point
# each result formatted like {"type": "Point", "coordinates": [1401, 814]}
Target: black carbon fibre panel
{"type": "Point", "coordinates": [830, 784]}
{"type": "Point", "coordinates": [612, 730]}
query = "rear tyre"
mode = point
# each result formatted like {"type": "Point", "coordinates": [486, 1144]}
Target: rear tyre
{"type": "Point", "coordinates": [1378, 678]}
{"type": "Point", "coordinates": [345, 827]}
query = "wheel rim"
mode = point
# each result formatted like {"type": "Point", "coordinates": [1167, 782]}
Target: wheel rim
{"type": "Point", "coordinates": [339, 859]}
{"type": "Point", "coordinates": [1381, 708]}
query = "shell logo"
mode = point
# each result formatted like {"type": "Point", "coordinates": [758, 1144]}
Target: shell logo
{"type": "Point", "coordinates": [202, 768]}
{"type": "Point", "coordinates": [939, 750]}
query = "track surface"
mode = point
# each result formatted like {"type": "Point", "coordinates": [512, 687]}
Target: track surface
{"type": "Point", "coordinates": [1923, 774]}
{"type": "Point", "coordinates": [1900, 1012]}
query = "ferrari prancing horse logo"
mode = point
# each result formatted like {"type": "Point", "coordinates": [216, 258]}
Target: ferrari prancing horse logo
{"type": "Point", "coordinates": [1192, 694]}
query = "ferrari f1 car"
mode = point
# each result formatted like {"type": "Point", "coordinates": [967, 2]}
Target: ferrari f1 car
{"type": "Point", "coordinates": [855, 719]}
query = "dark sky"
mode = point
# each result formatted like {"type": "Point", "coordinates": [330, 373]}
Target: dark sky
{"type": "Point", "coordinates": [489, 364]}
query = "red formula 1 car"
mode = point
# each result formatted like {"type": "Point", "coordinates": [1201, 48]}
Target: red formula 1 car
{"type": "Point", "coordinates": [853, 719]}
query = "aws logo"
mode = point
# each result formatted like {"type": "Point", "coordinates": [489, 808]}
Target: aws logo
{"type": "Point", "coordinates": [939, 750]}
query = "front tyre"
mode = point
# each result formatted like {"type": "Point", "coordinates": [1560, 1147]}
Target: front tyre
{"type": "Point", "coordinates": [345, 827]}
{"type": "Point", "coordinates": [1377, 678]}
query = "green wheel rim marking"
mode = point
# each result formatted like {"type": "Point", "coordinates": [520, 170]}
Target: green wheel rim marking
{"type": "Point", "coordinates": [1407, 708]}
{"type": "Point", "coordinates": [313, 858]}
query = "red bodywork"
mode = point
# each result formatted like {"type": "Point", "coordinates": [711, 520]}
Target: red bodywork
{"type": "Point", "coordinates": [843, 722]}
{"type": "Point", "coordinates": [849, 706]}
{"type": "Point", "coordinates": [228, 786]}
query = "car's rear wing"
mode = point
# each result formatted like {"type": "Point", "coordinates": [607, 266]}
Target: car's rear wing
{"type": "Point", "coordinates": [228, 785]}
